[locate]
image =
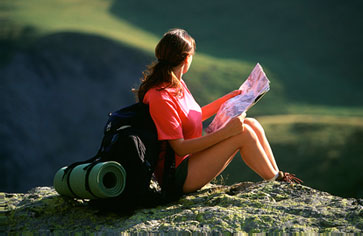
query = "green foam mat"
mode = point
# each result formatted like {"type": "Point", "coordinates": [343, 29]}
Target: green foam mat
{"type": "Point", "coordinates": [105, 179]}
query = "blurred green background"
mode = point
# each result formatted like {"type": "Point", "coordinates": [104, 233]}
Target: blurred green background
{"type": "Point", "coordinates": [64, 64]}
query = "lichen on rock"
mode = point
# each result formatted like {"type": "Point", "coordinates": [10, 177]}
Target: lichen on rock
{"type": "Point", "coordinates": [243, 207]}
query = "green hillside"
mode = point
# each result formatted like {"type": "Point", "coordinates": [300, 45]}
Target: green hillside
{"type": "Point", "coordinates": [304, 43]}
{"type": "Point", "coordinates": [312, 59]}
{"type": "Point", "coordinates": [311, 51]}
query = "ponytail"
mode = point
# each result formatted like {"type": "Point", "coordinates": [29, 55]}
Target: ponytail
{"type": "Point", "coordinates": [171, 51]}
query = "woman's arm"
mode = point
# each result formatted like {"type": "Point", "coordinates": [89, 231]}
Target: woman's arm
{"type": "Point", "coordinates": [212, 108]}
{"type": "Point", "coordinates": [183, 147]}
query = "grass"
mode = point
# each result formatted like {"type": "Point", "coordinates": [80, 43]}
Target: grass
{"type": "Point", "coordinates": [92, 16]}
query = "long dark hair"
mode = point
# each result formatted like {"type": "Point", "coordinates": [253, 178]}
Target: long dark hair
{"type": "Point", "coordinates": [171, 51]}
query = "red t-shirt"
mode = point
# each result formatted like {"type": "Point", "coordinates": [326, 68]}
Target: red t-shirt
{"type": "Point", "coordinates": [175, 117]}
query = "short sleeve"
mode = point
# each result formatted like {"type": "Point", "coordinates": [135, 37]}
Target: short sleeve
{"type": "Point", "coordinates": [164, 113]}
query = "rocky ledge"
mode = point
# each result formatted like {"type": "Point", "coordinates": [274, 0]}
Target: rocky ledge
{"type": "Point", "coordinates": [244, 207]}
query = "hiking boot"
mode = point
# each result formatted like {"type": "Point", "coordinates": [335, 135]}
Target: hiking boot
{"type": "Point", "coordinates": [289, 178]}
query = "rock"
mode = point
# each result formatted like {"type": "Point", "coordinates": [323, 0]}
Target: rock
{"type": "Point", "coordinates": [243, 207]}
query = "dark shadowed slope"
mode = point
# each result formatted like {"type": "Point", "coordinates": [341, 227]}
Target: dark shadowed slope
{"type": "Point", "coordinates": [56, 94]}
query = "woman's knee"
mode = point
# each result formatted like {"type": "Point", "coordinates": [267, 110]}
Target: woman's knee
{"type": "Point", "coordinates": [255, 125]}
{"type": "Point", "coordinates": [247, 136]}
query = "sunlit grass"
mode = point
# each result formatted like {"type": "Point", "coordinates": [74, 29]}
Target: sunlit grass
{"type": "Point", "coordinates": [81, 16]}
{"type": "Point", "coordinates": [312, 119]}
{"type": "Point", "coordinates": [325, 110]}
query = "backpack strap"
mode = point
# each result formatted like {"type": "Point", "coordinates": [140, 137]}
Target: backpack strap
{"type": "Point", "coordinates": [73, 165]}
{"type": "Point", "coordinates": [168, 189]}
{"type": "Point", "coordinates": [95, 159]}
{"type": "Point", "coordinates": [105, 141]}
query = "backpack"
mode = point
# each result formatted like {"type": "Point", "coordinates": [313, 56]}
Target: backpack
{"type": "Point", "coordinates": [130, 138]}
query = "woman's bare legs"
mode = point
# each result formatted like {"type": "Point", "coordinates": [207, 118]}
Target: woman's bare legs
{"type": "Point", "coordinates": [207, 164]}
{"type": "Point", "coordinates": [257, 127]}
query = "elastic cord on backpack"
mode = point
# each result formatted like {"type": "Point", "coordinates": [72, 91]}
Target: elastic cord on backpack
{"type": "Point", "coordinates": [89, 168]}
{"type": "Point", "coordinates": [68, 181]}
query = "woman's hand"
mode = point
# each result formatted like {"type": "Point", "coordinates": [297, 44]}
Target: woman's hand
{"type": "Point", "coordinates": [235, 125]}
{"type": "Point", "coordinates": [231, 95]}
{"type": "Point", "coordinates": [212, 108]}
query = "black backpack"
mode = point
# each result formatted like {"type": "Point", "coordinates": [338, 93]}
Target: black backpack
{"type": "Point", "coordinates": [130, 138]}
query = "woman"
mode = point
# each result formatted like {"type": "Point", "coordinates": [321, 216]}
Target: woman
{"type": "Point", "coordinates": [178, 119]}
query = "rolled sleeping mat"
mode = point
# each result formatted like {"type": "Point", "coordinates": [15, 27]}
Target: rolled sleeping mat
{"type": "Point", "coordinates": [105, 180]}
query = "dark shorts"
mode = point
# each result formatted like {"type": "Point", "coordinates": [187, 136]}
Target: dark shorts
{"type": "Point", "coordinates": [181, 174]}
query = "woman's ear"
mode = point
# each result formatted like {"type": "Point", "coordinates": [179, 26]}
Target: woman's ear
{"type": "Point", "coordinates": [189, 58]}
{"type": "Point", "coordinates": [187, 62]}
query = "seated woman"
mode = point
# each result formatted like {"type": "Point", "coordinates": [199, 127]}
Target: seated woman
{"type": "Point", "coordinates": [178, 119]}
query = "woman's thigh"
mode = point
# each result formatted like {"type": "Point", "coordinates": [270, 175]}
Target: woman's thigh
{"type": "Point", "coordinates": [203, 166]}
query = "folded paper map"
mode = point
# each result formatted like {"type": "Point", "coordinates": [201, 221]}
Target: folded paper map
{"type": "Point", "coordinates": [253, 89]}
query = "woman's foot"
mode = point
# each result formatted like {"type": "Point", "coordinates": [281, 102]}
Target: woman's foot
{"type": "Point", "coordinates": [289, 178]}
